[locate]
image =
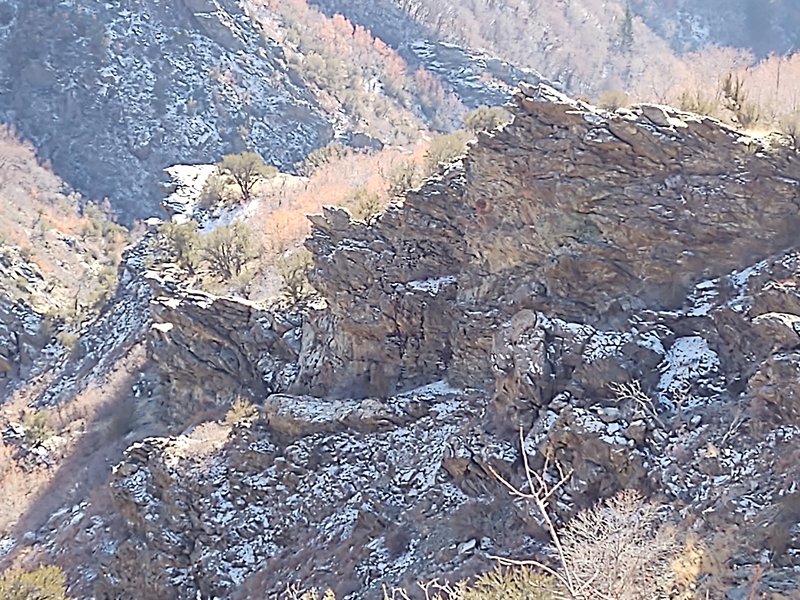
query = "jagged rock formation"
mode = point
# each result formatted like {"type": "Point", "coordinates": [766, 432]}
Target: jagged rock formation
{"type": "Point", "coordinates": [122, 323]}
{"type": "Point", "coordinates": [343, 484]}
{"type": "Point", "coordinates": [27, 334]}
{"type": "Point", "coordinates": [580, 215]}
{"type": "Point", "coordinates": [572, 252]}
{"type": "Point", "coordinates": [238, 348]}
{"type": "Point", "coordinates": [23, 337]}
{"type": "Point", "coordinates": [30, 346]}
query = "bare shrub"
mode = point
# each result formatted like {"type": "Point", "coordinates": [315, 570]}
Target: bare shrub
{"type": "Point", "coordinates": [698, 102]}
{"type": "Point", "coordinates": [324, 156]}
{"type": "Point", "coordinates": [403, 178]}
{"type": "Point", "coordinates": [297, 593]}
{"type": "Point", "coordinates": [227, 250]}
{"type": "Point", "coordinates": [181, 242]}
{"type": "Point", "coordinates": [68, 339]}
{"type": "Point", "coordinates": [617, 550]}
{"type": "Point", "coordinates": [240, 410]}
{"type": "Point", "coordinates": [613, 100]}
{"type": "Point", "coordinates": [748, 114]}
{"type": "Point", "coordinates": [365, 205]}
{"type": "Point", "coordinates": [790, 125]}
{"type": "Point", "coordinates": [486, 118]}
{"type": "Point", "coordinates": [516, 583]}
{"type": "Point", "coordinates": [245, 170]}
{"type": "Point", "coordinates": [215, 191]}
{"type": "Point", "coordinates": [732, 89]}
{"type": "Point", "coordinates": [45, 583]}
{"type": "Point", "coordinates": [445, 149]}
{"type": "Point", "coordinates": [37, 427]}
{"type": "Point", "coordinates": [620, 549]}
{"type": "Point", "coordinates": [293, 272]}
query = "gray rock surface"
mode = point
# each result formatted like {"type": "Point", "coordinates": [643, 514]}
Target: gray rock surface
{"type": "Point", "coordinates": [211, 350]}
{"type": "Point", "coordinates": [634, 321]}
{"type": "Point", "coordinates": [566, 280]}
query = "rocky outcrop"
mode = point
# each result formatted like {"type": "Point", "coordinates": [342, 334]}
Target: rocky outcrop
{"type": "Point", "coordinates": [23, 336]}
{"type": "Point", "coordinates": [370, 497]}
{"type": "Point", "coordinates": [26, 334]}
{"type": "Point", "coordinates": [584, 215]}
{"type": "Point", "coordinates": [621, 288]}
{"type": "Point", "coordinates": [211, 350]}
{"type": "Point", "coordinates": [103, 339]}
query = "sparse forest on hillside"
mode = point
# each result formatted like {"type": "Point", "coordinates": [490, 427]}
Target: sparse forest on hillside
{"type": "Point", "coordinates": [358, 73]}
{"type": "Point", "coordinates": [593, 48]}
{"type": "Point", "coordinates": [73, 245]}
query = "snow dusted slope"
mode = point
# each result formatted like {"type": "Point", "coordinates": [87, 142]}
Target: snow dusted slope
{"type": "Point", "coordinates": [113, 92]}
{"type": "Point", "coordinates": [475, 77]}
{"type": "Point", "coordinates": [636, 329]}
{"type": "Point", "coordinates": [764, 27]}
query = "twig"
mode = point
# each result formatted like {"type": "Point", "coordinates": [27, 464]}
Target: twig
{"type": "Point", "coordinates": [633, 391]}
{"type": "Point", "coordinates": [758, 572]}
{"type": "Point", "coordinates": [734, 427]}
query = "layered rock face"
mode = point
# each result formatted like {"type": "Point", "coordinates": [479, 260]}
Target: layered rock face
{"type": "Point", "coordinates": [582, 215]}
{"type": "Point", "coordinates": [211, 350]}
{"type": "Point", "coordinates": [27, 334]}
{"type": "Point", "coordinates": [317, 485]}
{"type": "Point", "coordinates": [621, 288]}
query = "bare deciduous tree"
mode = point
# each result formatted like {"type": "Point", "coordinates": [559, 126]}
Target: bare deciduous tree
{"type": "Point", "coordinates": [227, 250]}
{"type": "Point", "coordinates": [246, 169]}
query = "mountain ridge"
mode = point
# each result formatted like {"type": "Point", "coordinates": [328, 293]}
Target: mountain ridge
{"type": "Point", "coordinates": [468, 311]}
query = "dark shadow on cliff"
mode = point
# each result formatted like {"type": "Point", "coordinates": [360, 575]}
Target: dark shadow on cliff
{"type": "Point", "coordinates": [106, 418]}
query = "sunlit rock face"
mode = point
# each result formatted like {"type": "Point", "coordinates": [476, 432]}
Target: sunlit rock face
{"type": "Point", "coordinates": [584, 215]}
{"type": "Point", "coordinates": [617, 292]}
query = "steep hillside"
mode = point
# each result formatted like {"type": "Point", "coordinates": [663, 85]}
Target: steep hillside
{"type": "Point", "coordinates": [147, 85]}
{"type": "Point", "coordinates": [111, 93]}
{"type": "Point", "coordinates": [619, 287]}
{"type": "Point", "coordinates": [763, 27]}
{"type": "Point", "coordinates": [58, 261]}
{"type": "Point", "coordinates": [144, 86]}
{"type": "Point", "coordinates": [652, 50]}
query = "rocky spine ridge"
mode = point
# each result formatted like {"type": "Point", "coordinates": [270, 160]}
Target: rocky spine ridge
{"type": "Point", "coordinates": [572, 251]}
